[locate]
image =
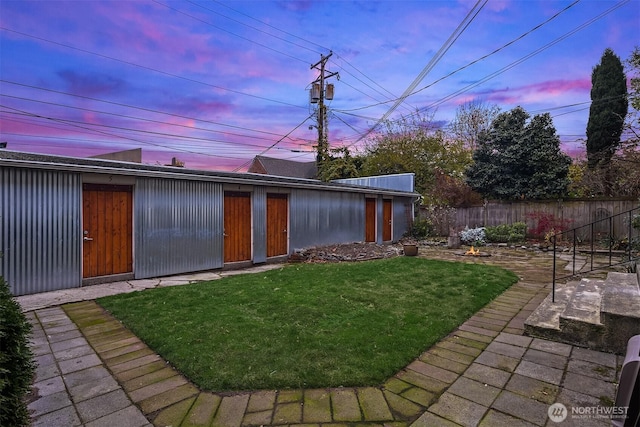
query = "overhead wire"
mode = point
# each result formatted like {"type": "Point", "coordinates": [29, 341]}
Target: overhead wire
{"type": "Point", "coordinates": [142, 119]}
{"type": "Point", "coordinates": [509, 66]}
{"type": "Point", "coordinates": [434, 60]}
{"type": "Point", "coordinates": [344, 112]}
{"type": "Point", "coordinates": [537, 27]}
{"type": "Point", "coordinates": [526, 57]}
{"type": "Point", "coordinates": [150, 68]}
{"type": "Point", "coordinates": [150, 110]}
{"type": "Point", "coordinates": [114, 135]}
{"type": "Point", "coordinates": [225, 4]}
{"type": "Point", "coordinates": [304, 47]}
{"type": "Point", "coordinates": [173, 137]}
{"type": "Point", "coordinates": [227, 31]}
{"type": "Point", "coordinates": [275, 143]}
{"type": "Point", "coordinates": [255, 29]}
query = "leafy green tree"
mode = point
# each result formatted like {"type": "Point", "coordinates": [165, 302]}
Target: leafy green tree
{"type": "Point", "coordinates": [414, 145]}
{"type": "Point", "coordinates": [338, 164]}
{"type": "Point", "coordinates": [608, 109]}
{"type": "Point", "coordinates": [518, 158]}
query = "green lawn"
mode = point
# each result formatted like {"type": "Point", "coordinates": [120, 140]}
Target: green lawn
{"type": "Point", "coordinates": [308, 325]}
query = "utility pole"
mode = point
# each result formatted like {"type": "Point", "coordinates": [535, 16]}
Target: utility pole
{"type": "Point", "coordinates": [320, 92]}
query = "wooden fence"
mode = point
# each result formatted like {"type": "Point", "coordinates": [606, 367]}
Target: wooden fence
{"type": "Point", "coordinates": [574, 213]}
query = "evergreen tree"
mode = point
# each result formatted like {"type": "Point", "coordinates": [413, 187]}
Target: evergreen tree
{"type": "Point", "coordinates": [518, 158]}
{"type": "Point", "coordinates": [608, 109]}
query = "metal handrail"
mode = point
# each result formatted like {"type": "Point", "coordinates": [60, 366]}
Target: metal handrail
{"type": "Point", "coordinates": [574, 239]}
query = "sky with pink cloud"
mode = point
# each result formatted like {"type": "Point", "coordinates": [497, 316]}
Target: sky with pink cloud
{"type": "Point", "coordinates": [215, 83]}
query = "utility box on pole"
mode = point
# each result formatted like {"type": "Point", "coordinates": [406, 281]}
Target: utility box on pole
{"type": "Point", "coordinates": [320, 92]}
{"type": "Point", "coordinates": [329, 92]}
{"type": "Point", "coordinates": [315, 93]}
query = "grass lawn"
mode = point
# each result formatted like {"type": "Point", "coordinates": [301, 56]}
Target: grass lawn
{"type": "Point", "coordinates": [308, 325]}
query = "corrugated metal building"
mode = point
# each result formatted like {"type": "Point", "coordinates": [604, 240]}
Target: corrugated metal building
{"type": "Point", "coordinates": [68, 222]}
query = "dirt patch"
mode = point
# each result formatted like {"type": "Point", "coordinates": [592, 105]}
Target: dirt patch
{"type": "Point", "coordinates": [346, 252]}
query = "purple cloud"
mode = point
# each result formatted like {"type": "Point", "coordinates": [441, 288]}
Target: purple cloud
{"type": "Point", "coordinates": [95, 84]}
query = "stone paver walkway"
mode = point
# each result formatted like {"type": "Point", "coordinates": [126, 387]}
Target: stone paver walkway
{"type": "Point", "coordinates": [484, 373]}
{"type": "Point", "coordinates": [72, 385]}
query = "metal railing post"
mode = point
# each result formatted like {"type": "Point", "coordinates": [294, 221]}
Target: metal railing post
{"type": "Point", "coordinates": [630, 231]}
{"type": "Point", "coordinates": [574, 252]}
{"type": "Point", "coordinates": [611, 238]}
{"type": "Point", "coordinates": [592, 238]}
{"type": "Point", "coordinates": [592, 229]}
{"type": "Point", "coordinates": [553, 283]}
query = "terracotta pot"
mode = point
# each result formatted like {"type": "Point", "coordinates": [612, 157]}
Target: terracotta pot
{"type": "Point", "coordinates": [410, 250]}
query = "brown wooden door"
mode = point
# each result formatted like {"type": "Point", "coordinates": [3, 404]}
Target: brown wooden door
{"type": "Point", "coordinates": [386, 220]}
{"type": "Point", "coordinates": [370, 220]}
{"type": "Point", "coordinates": [237, 227]}
{"type": "Point", "coordinates": [277, 224]}
{"type": "Point", "coordinates": [107, 212]}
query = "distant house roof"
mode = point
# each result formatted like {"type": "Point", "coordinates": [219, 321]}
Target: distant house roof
{"type": "Point", "coordinates": [134, 156]}
{"type": "Point", "coordinates": [279, 167]}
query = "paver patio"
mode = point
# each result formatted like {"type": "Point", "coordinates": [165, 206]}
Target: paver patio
{"type": "Point", "coordinates": [484, 373]}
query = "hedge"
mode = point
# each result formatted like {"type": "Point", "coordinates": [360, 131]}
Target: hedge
{"type": "Point", "coordinates": [16, 361]}
{"type": "Point", "coordinates": [513, 233]}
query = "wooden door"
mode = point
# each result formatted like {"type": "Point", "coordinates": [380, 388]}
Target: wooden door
{"type": "Point", "coordinates": [237, 227]}
{"type": "Point", "coordinates": [370, 220]}
{"type": "Point", "coordinates": [386, 220]}
{"type": "Point", "coordinates": [277, 224]}
{"type": "Point", "coordinates": [107, 212]}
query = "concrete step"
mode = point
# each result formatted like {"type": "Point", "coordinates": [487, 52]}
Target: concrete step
{"type": "Point", "coordinates": [594, 313]}
{"type": "Point", "coordinates": [620, 309]}
{"type": "Point", "coordinates": [621, 295]}
{"type": "Point", "coordinates": [580, 321]}
{"type": "Point", "coordinates": [544, 321]}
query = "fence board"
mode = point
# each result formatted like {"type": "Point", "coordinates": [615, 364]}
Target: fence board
{"type": "Point", "coordinates": [577, 212]}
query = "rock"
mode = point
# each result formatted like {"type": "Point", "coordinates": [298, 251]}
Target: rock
{"type": "Point", "coordinates": [346, 253]}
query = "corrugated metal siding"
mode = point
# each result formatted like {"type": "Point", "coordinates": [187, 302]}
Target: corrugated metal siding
{"type": "Point", "coordinates": [402, 215]}
{"type": "Point", "coordinates": [178, 226]}
{"type": "Point", "coordinates": [259, 209]}
{"type": "Point", "coordinates": [40, 230]}
{"type": "Point", "coordinates": [399, 182]}
{"type": "Point", "coordinates": [323, 218]}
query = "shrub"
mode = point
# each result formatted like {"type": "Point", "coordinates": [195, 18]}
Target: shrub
{"type": "Point", "coordinates": [635, 222]}
{"type": "Point", "coordinates": [548, 224]}
{"type": "Point", "coordinates": [473, 236]}
{"type": "Point", "coordinates": [421, 229]}
{"type": "Point", "coordinates": [16, 361]}
{"type": "Point", "coordinates": [506, 233]}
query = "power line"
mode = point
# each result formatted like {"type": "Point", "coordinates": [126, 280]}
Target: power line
{"type": "Point", "coordinates": [149, 110]}
{"type": "Point", "coordinates": [304, 47]}
{"type": "Point", "coordinates": [149, 68]}
{"type": "Point", "coordinates": [76, 123]}
{"type": "Point", "coordinates": [508, 67]}
{"type": "Point", "coordinates": [481, 58]}
{"type": "Point", "coordinates": [436, 58]}
{"type": "Point", "coordinates": [274, 144]}
{"type": "Point", "coordinates": [322, 48]}
{"type": "Point", "coordinates": [112, 134]}
{"type": "Point", "coordinates": [145, 120]}
{"type": "Point", "coordinates": [256, 29]}
{"type": "Point", "coordinates": [227, 31]}
{"type": "Point", "coordinates": [526, 57]}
